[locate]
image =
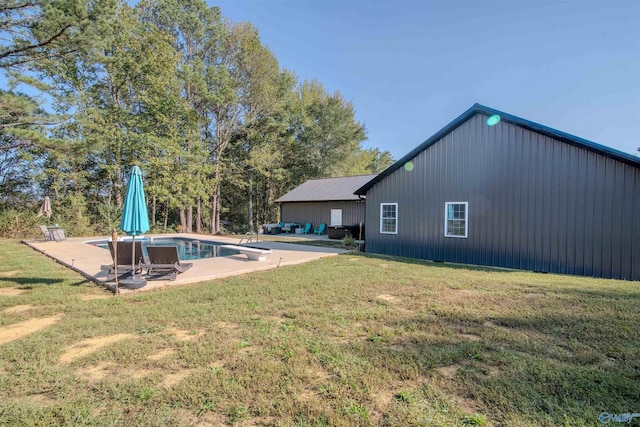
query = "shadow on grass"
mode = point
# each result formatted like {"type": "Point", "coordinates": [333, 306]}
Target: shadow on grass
{"type": "Point", "coordinates": [545, 369]}
{"type": "Point", "coordinates": [435, 264]}
{"type": "Point", "coordinates": [27, 281]}
{"type": "Point", "coordinates": [614, 294]}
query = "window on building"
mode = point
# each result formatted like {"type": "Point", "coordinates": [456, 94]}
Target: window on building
{"type": "Point", "coordinates": [389, 218]}
{"type": "Point", "coordinates": [456, 222]}
{"type": "Point", "coordinates": [336, 217]}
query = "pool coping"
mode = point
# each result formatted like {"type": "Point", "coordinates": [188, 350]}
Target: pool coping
{"type": "Point", "coordinates": [86, 259]}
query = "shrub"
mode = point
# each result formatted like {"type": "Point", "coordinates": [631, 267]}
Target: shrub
{"type": "Point", "coordinates": [20, 225]}
{"type": "Point", "coordinates": [349, 242]}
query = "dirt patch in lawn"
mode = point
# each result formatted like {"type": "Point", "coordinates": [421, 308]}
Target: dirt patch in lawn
{"type": "Point", "coordinates": [449, 372]}
{"type": "Point", "coordinates": [93, 297]}
{"type": "Point", "coordinates": [40, 400]}
{"type": "Point", "coordinates": [9, 273]}
{"type": "Point", "coordinates": [227, 325]}
{"type": "Point", "coordinates": [162, 354]}
{"type": "Point", "coordinates": [18, 309]}
{"type": "Point", "coordinates": [388, 298]}
{"type": "Point", "coordinates": [105, 370]}
{"type": "Point", "coordinates": [18, 330]}
{"type": "Point", "coordinates": [98, 372]}
{"type": "Point", "coordinates": [175, 378]}
{"type": "Point", "coordinates": [11, 292]}
{"type": "Point", "coordinates": [88, 346]}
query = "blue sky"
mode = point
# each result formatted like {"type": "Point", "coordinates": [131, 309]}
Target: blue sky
{"type": "Point", "coordinates": [410, 67]}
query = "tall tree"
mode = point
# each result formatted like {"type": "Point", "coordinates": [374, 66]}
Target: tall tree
{"type": "Point", "coordinates": [327, 134]}
{"type": "Point", "coordinates": [198, 32]}
{"type": "Point", "coordinates": [33, 30]}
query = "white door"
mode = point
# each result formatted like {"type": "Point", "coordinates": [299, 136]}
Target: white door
{"type": "Point", "coordinates": [336, 217]}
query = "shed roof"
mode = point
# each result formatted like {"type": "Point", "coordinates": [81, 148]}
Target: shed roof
{"type": "Point", "coordinates": [327, 189]}
{"type": "Point", "coordinates": [481, 109]}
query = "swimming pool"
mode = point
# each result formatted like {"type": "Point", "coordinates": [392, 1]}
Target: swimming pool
{"type": "Point", "coordinates": [188, 249]}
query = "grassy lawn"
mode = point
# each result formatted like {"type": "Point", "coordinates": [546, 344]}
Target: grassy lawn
{"type": "Point", "coordinates": [346, 340]}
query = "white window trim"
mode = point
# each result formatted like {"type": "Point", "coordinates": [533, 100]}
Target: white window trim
{"type": "Point", "coordinates": [382, 205]}
{"type": "Point", "coordinates": [466, 219]}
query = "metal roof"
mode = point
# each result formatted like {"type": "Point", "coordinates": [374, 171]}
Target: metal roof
{"type": "Point", "coordinates": [327, 189]}
{"type": "Point", "coordinates": [481, 109]}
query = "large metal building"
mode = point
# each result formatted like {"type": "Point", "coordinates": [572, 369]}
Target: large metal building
{"type": "Point", "coordinates": [330, 201]}
{"type": "Point", "coordinates": [497, 190]}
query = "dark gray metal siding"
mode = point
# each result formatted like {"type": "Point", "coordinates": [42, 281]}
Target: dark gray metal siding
{"type": "Point", "coordinates": [535, 203]}
{"type": "Point", "coordinates": [320, 212]}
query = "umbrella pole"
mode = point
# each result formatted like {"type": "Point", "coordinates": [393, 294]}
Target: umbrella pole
{"type": "Point", "coordinates": [114, 240]}
{"type": "Point", "coordinates": [133, 257]}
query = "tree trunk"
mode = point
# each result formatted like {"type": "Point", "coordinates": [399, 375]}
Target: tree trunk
{"type": "Point", "coordinates": [215, 210]}
{"type": "Point", "coordinates": [215, 203]}
{"type": "Point", "coordinates": [153, 211]}
{"type": "Point", "coordinates": [218, 207]}
{"type": "Point", "coordinates": [117, 187]}
{"type": "Point", "coordinates": [166, 216]}
{"type": "Point", "coordinates": [198, 216]}
{"type": "Point", "coordinates": [250, 207]}
{"type": "Point", "coordinates": [190, 219]}
{"type": "Point", "coordinates": [183, 220]}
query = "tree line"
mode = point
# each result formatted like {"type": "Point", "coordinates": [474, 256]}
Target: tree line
{"type": "Point", "coordinates": [220, 129]}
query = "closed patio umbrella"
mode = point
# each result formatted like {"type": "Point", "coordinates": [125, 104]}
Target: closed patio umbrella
{"type": "Point", "coordinates": [135, 220]}
{"type": "Point", "coordinates": [45, 208]}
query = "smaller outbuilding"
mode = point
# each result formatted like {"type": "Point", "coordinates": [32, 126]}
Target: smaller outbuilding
{"type": "Point", "coordinates": [329, 201]}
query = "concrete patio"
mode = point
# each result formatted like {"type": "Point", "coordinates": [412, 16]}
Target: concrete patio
{"type": "Point", "coordinates": [86, 259]}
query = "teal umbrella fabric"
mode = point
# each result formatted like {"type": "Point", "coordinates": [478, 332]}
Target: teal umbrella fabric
{"type": "Point", "coordinates": [135, 220]}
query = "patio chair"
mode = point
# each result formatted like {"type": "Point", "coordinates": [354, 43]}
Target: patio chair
{"type": "Point", "coordinates": [46, 234]}
{"type": "Point", "coordinates": [306, 228]}
{"type": "Point", "coordinates": [57, 234]}
{"type": "Point", "coordinates": [320, 229]}
{"type": "Point", "coordinates": [164, 263]}
{"type": "Point", "coordinates": [125, 260]}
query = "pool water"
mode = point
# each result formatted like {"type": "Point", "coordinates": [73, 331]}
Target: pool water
{"type": "Point", "coordinates": [188, 249]}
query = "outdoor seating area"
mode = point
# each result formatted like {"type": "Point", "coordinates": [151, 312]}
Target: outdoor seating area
{"type": "Point", "coordinates": [320, 230]}
{"type": "Point", "coordinates": [306, 228]}
{"type": "Point", "coordinates": [52, 233]}
{"type": "Point", "coordinates": [129, 260]}
{"type": "Point", "coordinates": [164, 263]}
{"type": "Point", "coordinates": [293, 228]}
{"type": "Point", "coordinates": [281, 227]}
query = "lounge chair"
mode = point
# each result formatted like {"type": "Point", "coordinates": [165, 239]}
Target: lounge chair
{"type": "Point", "coordinates": [125, 261]}
{"type": "Point", "coordinates": [320, 229]}
{"type": "Point", "coordinates": [46, 234]}
{"type": "Point", "coordinates": [164, 263]}
{"type": "Point", "coordinates": [57, 234]}
{"type": "Point", "coordinates": [306, 228]}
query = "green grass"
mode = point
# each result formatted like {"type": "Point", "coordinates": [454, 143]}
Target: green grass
{"type": "Point", "coordinates": [348, 340]}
